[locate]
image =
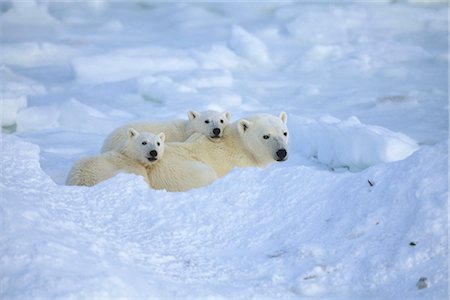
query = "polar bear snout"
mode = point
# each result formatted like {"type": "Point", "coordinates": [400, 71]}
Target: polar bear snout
{"type": "Point", "coordinates": [152, 155]}
{"type": "Point", "coordinates": [281, 155]}
{"type": "Point", "coordinates": [216, 132]}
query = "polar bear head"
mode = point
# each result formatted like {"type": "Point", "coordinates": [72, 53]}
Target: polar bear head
{"type": "Point", "coordinates": [145, 147]}
{"type": "Point", "coordinates": [210, 123]}
{"type": "Point", "coordinates": [266, 137]}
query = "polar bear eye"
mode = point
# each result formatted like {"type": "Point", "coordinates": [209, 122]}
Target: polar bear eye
{"type": "Point", "coordinates": [158, 143]}
{"type": "Point", "coordinates": [265, 137]}
{"type": "Point", "coordinates": [285, 134]}
{"type": "Point", "coordinates": [221, 121]}
{"type": "Point", "coordinates": [206, 121]}
{"type": "Point", "coordinates": [144, 143]}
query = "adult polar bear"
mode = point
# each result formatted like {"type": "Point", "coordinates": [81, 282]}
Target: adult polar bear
{"type": "Point", "coordinates": [255, 141]}
{"type": "Point", "coordinates": [210, 123]}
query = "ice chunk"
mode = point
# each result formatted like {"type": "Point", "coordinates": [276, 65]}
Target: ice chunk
{"type": "Point", "coordinates": [38, 118]}
{"type": "Point", "coordinates": [9, 108]}
{"type": "Point", "coordinates": [217, 56]}
{"type": "Point", "coordinates": [158, 89]}
{"type": "Point", "coordinates": [14, 84]}
{"type": "Point", "coordinates": [349, 143]}
{"type": "Point", "coordinates": [29, 13]}
{"type": "Point", "coordinates": [81, 117]}
{"type": "Point", "coordinates": [13, 95]}
{"type": "Point", "coordinates": [248, 46]}
{"type": "Point", "coordinates": [30, 54]}
{"type": "Point", "coordinates": [130, 63]}
{"type": "Point", "coordinates": [209, 78]}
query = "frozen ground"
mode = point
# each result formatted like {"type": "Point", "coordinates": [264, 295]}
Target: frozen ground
{"type": "Point", "coordinates": [358, 211]}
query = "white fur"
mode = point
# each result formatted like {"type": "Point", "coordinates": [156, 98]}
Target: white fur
{"type": "Point", "coordinates": [175, 131]}
{"type": "Point", "coordinates": [242, 145]}
{"type": "Point", "coordinates": [133, 157]}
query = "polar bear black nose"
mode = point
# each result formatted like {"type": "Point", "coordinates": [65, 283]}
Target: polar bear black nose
{"type": "Point", "coordinates": [153, 153]}
{"type": "Point", "coordinates": [281, 153]}
{"type": "Point", "coordinates": [216, 131]}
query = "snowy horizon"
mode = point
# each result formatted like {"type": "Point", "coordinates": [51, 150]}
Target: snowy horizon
{"type": "Point", "coordinates": [359, 210]}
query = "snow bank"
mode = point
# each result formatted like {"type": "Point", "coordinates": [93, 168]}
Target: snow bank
{"type": "Point", "coordinates": [348, 143]}
{"type": "Point", "coordinates": [286, 232]}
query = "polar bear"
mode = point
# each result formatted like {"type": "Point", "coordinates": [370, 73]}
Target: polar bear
{"type": "Point", "coordinates": [210, 123]}
{"type": "Point", "coordinates": [256, 141]}
{"type": "Point", "coordinates": [139, 151]}
{"type": "Point", "coordinates": [178, 171]}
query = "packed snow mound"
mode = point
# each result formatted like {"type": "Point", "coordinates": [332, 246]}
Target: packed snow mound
{"type": "Point", "coordinates": [287, 232]}
{"type": "Point", "coordinates": [348, 143]}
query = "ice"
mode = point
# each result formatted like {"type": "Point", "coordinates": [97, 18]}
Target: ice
{"type": "Point", "coordinates": [30, 54]}
{"type": "Point", "coordinates": [130, 63]}
{"type": "Point", "coordinates": [38, 118]}
{"type": "Point", "coordinates": [81, 117]}
{"type": "Point", "coordinates": [248, 46]}
{"type": "Point", "coordinates": [13, 83]}
{"type": "Point", "coordinates": [34, 13]}
{"type": "Point", "coordinates": [349, 143]}
{"type": "Point", "coordinates": [209, 78]}
{"type": "Point", "coordinates": [14, 91]}
{"type": "Point", "coordinates": [10, 106]}
{"type": "Point", "coordinates": [217, 56]}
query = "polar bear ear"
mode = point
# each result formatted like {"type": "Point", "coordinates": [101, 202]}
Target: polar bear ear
{"type": "Point", "coordinates": [283, 117]}
{"type": "Point", "coordinates": [192, 115]}
{"type": "Point", "coordinates": [243, 125]}
{"type": "Point", "coordinates": [132, 132]}
{"type": "Point", "coordinates": [228, 115]}
{"type": "Point", "coordinates": [162, 136]}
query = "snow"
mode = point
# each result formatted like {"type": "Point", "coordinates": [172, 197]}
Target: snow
{"type": "Point", "coordinates": [130, 63]}
{"type": "Point", "coordinates": [359, 210]}
{"type": "Point", "coordinates": [349, 143]}
{"type": "Point", "coordinates": [248, 46]}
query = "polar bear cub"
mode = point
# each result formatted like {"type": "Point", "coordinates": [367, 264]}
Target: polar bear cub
{"type": "Point", "coordinates": [138, 152]}
{"type": "Point", "coordinates": [209, 123]}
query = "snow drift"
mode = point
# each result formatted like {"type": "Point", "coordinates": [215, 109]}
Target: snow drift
{"type": "Point", "coordinates": [265, 237]}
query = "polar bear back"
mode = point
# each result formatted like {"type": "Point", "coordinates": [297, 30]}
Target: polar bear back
{"type": "Point", "coordinates": [180, 175]}
{"type": "Point", "coordinates": [174, 130]}
{"type": "Point", "coordinates": [92, 170]}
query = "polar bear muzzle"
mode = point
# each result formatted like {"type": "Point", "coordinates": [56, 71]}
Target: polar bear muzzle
{"type": "Point", "coordinates": [281, 155]}
{"type": "Point", "coordinates": [216, 132]}
{"type": "Point", "coordinates": [153, 155]}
